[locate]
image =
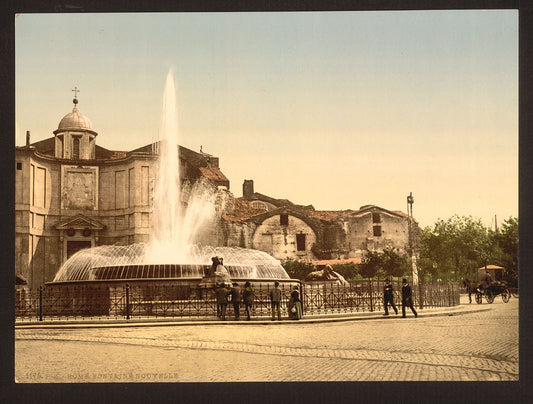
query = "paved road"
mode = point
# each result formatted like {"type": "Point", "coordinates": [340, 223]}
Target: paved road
{"type": "Point", "coordinates": [478, 346]}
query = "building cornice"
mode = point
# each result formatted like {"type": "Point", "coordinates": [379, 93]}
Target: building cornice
{"type": "Point", "coordinates": [93, 162]}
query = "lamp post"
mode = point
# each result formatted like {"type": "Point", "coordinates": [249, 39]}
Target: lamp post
{"type": "Point", "coordinates": [410, 201]}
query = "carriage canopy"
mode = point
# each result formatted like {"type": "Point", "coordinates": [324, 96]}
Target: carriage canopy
{"type": "Point", "coordinates": [495, 272]}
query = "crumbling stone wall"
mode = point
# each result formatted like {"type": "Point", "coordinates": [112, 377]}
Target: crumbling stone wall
{"type": "Point", "coordinates": [280, 240]}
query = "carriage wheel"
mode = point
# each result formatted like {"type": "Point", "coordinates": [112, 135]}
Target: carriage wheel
{"type": "Point", "coordinates": [489, 296]}
{"type": "Point", "coordinates": [515, 292]}
{"type": "Point", "coordinates": [479, 298]}
{"type": "Point", "coordinates": [506, 295]}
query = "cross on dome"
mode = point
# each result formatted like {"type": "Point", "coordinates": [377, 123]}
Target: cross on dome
{"type": "Point", "coordinates": [76, 91]}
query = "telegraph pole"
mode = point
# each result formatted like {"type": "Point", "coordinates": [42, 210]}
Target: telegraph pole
{"type": "Point", "coordinates": [410, 201]}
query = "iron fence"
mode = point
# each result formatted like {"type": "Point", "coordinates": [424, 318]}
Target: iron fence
{"type": "Point", "coordinates": [114, 301]}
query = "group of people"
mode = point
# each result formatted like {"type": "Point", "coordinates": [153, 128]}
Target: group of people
{"type": "Point", "coordinates": [236, 295]}
{"type": "Point", "coordinates": [233, 293]}
{"type": "Point", "coordinates": [407, 298]}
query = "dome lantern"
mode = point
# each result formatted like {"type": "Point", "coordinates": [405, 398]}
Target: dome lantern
{"type": "Point", "coordinates": [75, 138]}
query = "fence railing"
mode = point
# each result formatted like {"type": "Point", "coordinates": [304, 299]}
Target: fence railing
{"type": "Point", "coordinates": [137, 301]}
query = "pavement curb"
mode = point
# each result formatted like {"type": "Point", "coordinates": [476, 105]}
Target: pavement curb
{"type": "Point", "coordinates": [76, 324]}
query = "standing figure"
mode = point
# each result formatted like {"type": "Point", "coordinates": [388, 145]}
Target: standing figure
{"type": "Point", "coordinates": [488, 279]}
{"type": "Point", "coordinates": [236, 295]}
{"type": "Point", "coordinates": [275, 301]}
{"type": "Point", "coordinates": [388, 297]}
{"type": "Point", "coordinates": [295, 305]}
{"type": "Point", "coordinates": [222, 300]}
{"type": "Point", "coordinates": [248, 297]}
{"type": "Point", "coordinates": [407, 298]}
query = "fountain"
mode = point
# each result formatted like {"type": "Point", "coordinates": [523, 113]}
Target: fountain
{"type": "Point", "coordinates": [175, 255]}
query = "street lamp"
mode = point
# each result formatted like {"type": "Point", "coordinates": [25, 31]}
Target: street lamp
{"type": "Point", "coordinates": [410, 201]}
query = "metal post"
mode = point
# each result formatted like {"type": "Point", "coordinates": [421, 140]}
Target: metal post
{"type": "Point", "coordinates": [420, 294]}
{"type": "Point", "coordinates": [371, 295]}
{"type": "Point", "coordinates": [41, 303]}
{"type": "Point", "coordinates": [301, 296]}
{"type": "Point", "coordinates": [127, 301]}
{"type": "Point", "coordinates": [410, 201]}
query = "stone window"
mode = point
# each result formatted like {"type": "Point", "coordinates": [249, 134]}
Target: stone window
{"type": "Point", "coordinates": [284, 219]}
{"type": "Point", "coordinates": [376, 217]}
{"type": "Point", "coordinates": [76, 148]}
{"type": "Point", "coordinates": [300, 242]}
{"type": "Point", "coordinates": [377, 231]}
{"type": "Point", "coordinates": [19, 166]}
{"type": "Point", "coordinates": [60, 150]}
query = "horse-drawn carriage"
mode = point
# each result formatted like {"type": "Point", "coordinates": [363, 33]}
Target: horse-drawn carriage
{"type": "Point", "coordinates": [491, 291]}
{"type": "Point", "coordinates": [488, 287]}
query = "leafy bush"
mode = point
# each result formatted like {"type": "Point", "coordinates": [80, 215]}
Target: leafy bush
{"type": "Point", "coordinates": [298, 269]}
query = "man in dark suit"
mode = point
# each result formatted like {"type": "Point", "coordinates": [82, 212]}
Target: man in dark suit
{"type": "Point", "coordinates": [222, 300]}
{"type": "Point", "coordinates": [407, 298]}
{"type": "Point", "coordinates": [236, 295]}
{"type": "Point", "coordinates": [388, 297]}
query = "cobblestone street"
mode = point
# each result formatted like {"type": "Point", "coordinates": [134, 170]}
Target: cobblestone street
{"type": "Point", "coordinates": [476, 346]}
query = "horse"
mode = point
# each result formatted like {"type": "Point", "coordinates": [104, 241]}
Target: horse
{"type": "Point", "coordinates": [470, 287]}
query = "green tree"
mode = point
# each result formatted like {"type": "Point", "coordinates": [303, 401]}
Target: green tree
{"type": "Point", "coordinates": [427, 270]}
{"type": "Point", "coordinates": [393, 263]}
{"type": "Point", "coordinates": [370, 265]}
{"type": "Point", "coordinates": [507, 243]}
{"type": "Point", "coordinates": [454, 248]}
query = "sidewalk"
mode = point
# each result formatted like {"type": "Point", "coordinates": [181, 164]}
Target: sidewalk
{"type": "Point", "coordinates": [463, 308]}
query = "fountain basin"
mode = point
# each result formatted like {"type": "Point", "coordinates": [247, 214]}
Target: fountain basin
{"type": "Point", "coordinates": [136, 262]}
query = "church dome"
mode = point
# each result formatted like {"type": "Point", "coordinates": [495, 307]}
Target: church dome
{"type": "Point", "coordinates": [75, 121]}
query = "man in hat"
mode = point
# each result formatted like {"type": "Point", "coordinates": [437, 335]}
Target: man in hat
{"type": "Point", "coordinates": [248, 297]}
{"type": "Point", "coordinates": [275, 300]}
{"type": "Point", "coordinates": [222, 300]}
{"type": "Point", "coordinates": [236, 295]}
{"type": "Point", "coordinates": [407, 298]}
{"type": "Point", "coordinates": [388, 297]}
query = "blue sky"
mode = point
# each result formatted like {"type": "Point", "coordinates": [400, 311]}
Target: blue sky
{"type": "Point", "coordinates": [334, 109]}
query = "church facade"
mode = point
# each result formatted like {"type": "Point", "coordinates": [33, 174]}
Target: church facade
{"type": "Point", "coordinates": [71, 194]}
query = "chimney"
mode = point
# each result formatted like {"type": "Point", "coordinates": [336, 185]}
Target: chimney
{"type": "Point", "coordinates": [248, 189]}
{"type": "Point", "coordinates": [27, 138]}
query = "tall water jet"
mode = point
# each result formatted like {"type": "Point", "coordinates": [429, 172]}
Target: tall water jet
{"type": "Point", "coordinates": [167, 207]}
{"type": "Point", "coordinates": [172, 230]}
